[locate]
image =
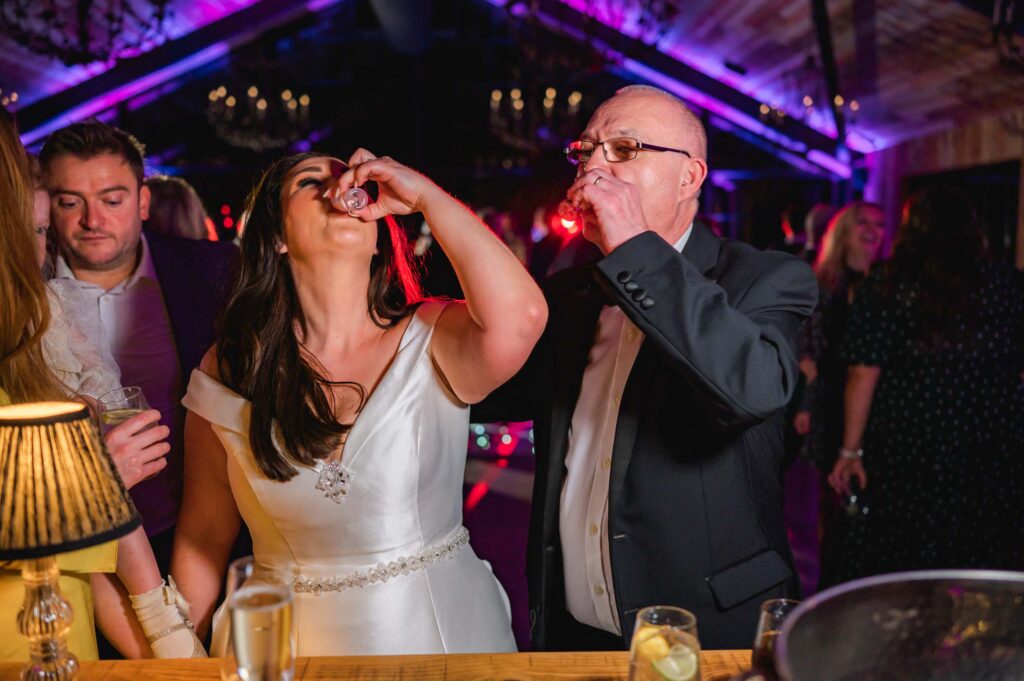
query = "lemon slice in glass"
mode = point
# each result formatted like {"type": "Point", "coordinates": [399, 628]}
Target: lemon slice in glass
{"type": "Point", "coordinates": [653, 646]}
{"type": "Point", "coordinates": [679, 665]}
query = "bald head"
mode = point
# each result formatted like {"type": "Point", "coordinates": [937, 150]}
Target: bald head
{"type": "Point", "coordinates": [681, 116]}
{"type": "Point", "coordinates": [667, 178]}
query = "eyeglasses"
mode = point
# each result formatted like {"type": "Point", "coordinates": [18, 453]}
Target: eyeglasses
{"type": "Point", "coordinates": [615, 150]}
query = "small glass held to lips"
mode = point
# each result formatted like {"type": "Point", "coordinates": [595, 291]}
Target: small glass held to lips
{"type": "Point", "coordinates": [568, 212]}
{"type": "Point", "coordinates": [665, 646]}
{"type": "Point", "coordinates": [117, 406]}
{"type": "Point", "coordinates": [350, 200]}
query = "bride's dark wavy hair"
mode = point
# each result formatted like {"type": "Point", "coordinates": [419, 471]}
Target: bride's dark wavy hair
{"type": "Point", "coordinates": [258, 353]}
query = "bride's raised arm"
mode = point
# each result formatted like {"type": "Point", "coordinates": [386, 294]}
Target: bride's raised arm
{"type": "Point", "coordinates": [479, 344]}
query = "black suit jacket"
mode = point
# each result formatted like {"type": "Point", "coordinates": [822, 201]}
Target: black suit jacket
{"type": "Point", "coordinates": [694, 501]}
{"type": "Point", "coordinates": [195, 278]}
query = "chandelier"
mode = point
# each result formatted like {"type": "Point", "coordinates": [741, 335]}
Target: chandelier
{"type": "Point", "coordinates": [259, 119]}
{"type": "Point", "coordinates": [803, 96]}
{"type": "Point", "coordinates": [540, 117]}
{"type": "Point", "coordinates": [539, 107]}
{"type": "Point", "coordinates": [85, 31]}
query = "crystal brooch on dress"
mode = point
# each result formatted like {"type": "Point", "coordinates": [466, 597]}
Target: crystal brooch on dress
{"type": "Point", "coordinates": [333, 481]}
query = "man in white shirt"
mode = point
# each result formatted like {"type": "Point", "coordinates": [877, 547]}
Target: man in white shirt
{"type": "Point", "coordinates": [656, 394]}
{"type": "Point", "coordinates": [145, 293]}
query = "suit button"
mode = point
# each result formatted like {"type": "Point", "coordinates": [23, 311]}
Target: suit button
{"type": "Point", "coordinates": [647, 303]}
{"type": "Point", "coordinates": [599, 590]}
{"type": "Point", "coordinates": [631, 286]}
{"type": "Point", "coordinates": [593, 530]}
{"type": "Point", "coordinates": [606, 463]}
{"type": "Point", "coordinates": [639, 294]}
{"type": "Point", "coordinates": [623, 277]}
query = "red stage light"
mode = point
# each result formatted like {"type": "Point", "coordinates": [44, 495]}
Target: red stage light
{"type": "Point", "coordinates": [225, 209]}
{"type": "Point", "coordinates": [229, 223]}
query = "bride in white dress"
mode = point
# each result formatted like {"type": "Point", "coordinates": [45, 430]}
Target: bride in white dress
{"type": "Point", "coordinates": [332, 415]}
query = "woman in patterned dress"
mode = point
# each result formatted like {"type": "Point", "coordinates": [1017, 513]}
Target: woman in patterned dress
{"type": "Point", "coordinates": [934, 428]}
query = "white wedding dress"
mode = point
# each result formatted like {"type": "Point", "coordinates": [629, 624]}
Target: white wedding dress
{"type": "Point", "coordinates": [386, 568]}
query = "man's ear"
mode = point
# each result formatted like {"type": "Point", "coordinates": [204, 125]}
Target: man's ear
{"type": "Point", "coordinates": [144, 198]}
{"type": "Point", "coordinates": [693, 177]}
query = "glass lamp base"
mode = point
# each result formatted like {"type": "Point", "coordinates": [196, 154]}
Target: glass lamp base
{"type": "Point", "coordinates": [45, 619]}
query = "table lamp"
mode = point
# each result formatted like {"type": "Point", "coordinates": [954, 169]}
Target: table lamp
{"type": "Point", "coordinates": [59, 491]}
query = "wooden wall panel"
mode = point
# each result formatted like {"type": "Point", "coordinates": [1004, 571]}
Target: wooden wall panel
{"type": "Point", "coordinates": [991, 140]}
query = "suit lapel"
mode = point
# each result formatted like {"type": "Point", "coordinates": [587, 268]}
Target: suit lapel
{"type": "Point", "coordinates": [702, 251]}
{"type": "Point", "coordinates": [577, 325]}
{"type": "Point", "coordinates": [628, 420]}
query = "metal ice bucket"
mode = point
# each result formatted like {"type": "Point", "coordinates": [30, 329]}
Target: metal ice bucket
{"type": "Point", "coordinates": [943, 625]}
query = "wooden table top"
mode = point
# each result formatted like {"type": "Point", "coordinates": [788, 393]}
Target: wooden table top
{"type": "Point", "coordinates": [716, 665]}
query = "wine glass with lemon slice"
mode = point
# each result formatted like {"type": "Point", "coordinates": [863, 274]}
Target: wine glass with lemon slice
{"type": "Point", "coordinates": [665, 645]}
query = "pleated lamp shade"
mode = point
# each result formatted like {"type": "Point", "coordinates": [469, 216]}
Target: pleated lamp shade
{"type": "Point", "coordinates": [59, 490]}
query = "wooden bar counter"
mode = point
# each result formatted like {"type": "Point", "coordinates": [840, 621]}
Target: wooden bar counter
{"type": "Point", "coordinates": [716, 665]}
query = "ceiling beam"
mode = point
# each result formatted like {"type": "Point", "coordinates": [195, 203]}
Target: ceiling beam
{"type": "Point", "coordinates": [132, 77]}
{"type": "Point", "coordinates": [823, 30]}
{"type": "Point", "coordinates": [790, 137]}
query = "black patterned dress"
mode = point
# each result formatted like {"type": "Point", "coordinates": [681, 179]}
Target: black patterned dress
{"type": "Point", "coordinates": [820, 340]}
{"type": "Point", "coordinates": [944, 444]}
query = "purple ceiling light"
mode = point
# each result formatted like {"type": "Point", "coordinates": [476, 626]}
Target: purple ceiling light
{"type": "Point", "coordinates": [114, 97]}
{"type": "Point", "coordinates": [219, 28]}
{"type": "Point", "coordinates": [793, 151]}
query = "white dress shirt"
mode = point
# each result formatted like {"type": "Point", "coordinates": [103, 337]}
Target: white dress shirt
{"type": "Point", "coordinates": [583, 510]}
{"type": "Point", "coordinates": [137, 331]}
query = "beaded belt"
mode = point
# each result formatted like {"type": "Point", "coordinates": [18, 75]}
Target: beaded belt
{"type": "Point", "coordinates": [380, 573]}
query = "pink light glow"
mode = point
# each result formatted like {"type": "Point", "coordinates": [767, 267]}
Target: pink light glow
{"type": "Point", "coordinates": [476, 495]}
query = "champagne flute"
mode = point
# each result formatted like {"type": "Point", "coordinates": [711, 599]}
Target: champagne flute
{"type": "Point", "coordinates": [769, 625]}
{"type": "Point", "coordinates": [263, 631]}
{"type": "Point", "coordinates": [117, 406]}
{"type": "Point", "coordinates": [239, 572]}
{"type": "Point", "coordinates": [664, 646]}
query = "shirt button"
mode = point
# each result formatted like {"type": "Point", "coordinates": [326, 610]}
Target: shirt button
{"type": "Point", "coordinates": [599, 590]}
{"type": "Point", "coordinates": [593, 529]}
{"type": "Point", "coordinates": [606, 463]}
{"type": "Point", "coordinates": [631, 334]}
{"type": "Point", "coordinates": [618, 400]}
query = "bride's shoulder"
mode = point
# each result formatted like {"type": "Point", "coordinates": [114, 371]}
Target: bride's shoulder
{"type": "Point", "coordinates": [208, 365]}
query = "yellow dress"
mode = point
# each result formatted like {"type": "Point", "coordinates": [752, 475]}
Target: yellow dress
{"type": "Point", "coordinates": [75, 567]}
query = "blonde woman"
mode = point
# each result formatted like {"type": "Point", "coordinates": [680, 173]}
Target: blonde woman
{"type": "Point", "coordinates": [851, 244]}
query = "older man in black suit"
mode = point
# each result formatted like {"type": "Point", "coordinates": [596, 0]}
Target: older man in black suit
{"type": "Point", "coordinates": [657, 392]}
